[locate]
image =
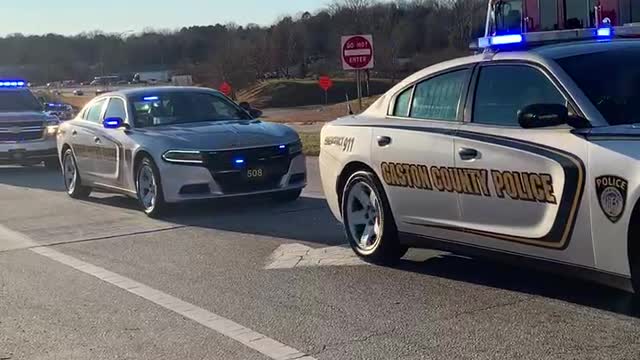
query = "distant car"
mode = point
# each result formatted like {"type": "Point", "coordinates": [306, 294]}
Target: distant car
{"type": "Point", "coordinates": [27, 131]}
{"type": "Point", "coordinates": [101, 91]}
{"type": "Point", "coordinates": [166, 145]}
{"type": "Point", "coordinates": [78, 92]}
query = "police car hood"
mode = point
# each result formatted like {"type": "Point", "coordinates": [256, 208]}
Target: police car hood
{"type": "Point", "coordinates": [22, 116]}
{"type": "Point", "coordinates": [223, 134]}
{"type": "Point", "coordinates": [629, 131]}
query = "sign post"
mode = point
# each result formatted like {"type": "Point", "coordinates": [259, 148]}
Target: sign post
{"type": "Point", "coordinates": [358, 55]}
{"type": "Point", "coordinates": [325, 83]}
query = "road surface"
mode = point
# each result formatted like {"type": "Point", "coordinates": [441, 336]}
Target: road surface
{"type": "Point", "coordinates": [97, 279]}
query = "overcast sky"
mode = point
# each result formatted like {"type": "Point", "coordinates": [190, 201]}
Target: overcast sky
{"type": "Point", "coordinates": [115, 16]}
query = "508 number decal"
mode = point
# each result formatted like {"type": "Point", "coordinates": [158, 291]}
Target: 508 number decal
{"type": "Point", "coordinates": [255, 173]}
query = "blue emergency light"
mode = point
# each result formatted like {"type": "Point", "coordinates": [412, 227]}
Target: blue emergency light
{"type": "Point", "coordinates": [12, 83]}
{"type": "Point", "coordinates": [239, 161]}
{"type": "Point", "coordinates": [150, 98]}
{"type": "Point", "coordinates": [604, 32]}
{"type": "Point", "coordinates": [282, 146]}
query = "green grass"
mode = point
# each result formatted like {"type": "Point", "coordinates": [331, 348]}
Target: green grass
{"type": "Point", "coordinates": [310, 143]}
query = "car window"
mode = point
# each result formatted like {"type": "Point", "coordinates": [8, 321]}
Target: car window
{"type": "Point", "coordinates": [93, 112]}
{"type": "Point", "coordinates": [182, 107]}
{"type": "Point", "coordinates": [116, 108]}
{"type": "Point", "coordinates": [438, 98]}
{"type": "Point", "coordinates": [505, 89]}
{"type": "Point", "coordinates": [402, 103]}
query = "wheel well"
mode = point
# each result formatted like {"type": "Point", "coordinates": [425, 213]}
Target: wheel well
{"type": "Point", "coordinates": [136, 161]}
{"type": "Point", "coordinates": [65, 147]}
{"type": "Point", "coordinates": [348, 170]}
{"type": "Point", "coordinates": [633, 235]}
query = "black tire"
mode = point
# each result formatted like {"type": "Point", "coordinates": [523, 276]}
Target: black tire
{"type": "Point", "coordinates": [159, 206]}
{"type": "Point", "coordinates": [75, 190]}
{"type": "Point", "coordinates": [52, 164]}
{"type": "Point", "coordinates": [386, 249]}
{"type": "Point", "coordinates": [287, 196]}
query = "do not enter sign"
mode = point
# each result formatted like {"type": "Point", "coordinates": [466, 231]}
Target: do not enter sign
{"type": "Point", "coordinates": [357, 52]}
{"type": "Point", "coordinates": [325, 83]}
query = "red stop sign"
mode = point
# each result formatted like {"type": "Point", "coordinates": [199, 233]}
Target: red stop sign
{"type": "Point", "coordinates": [225, 88]}
{"type": "Point", "coordinates": [357, 52]}
{"type": "Point", "coordinates": [325, 83]}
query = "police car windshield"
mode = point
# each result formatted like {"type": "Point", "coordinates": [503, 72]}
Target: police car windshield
{"type": "Point", "coordinates": [18, 100]}
{"type": "Point", "coordinates": [611, 80]}
{"type": "Point", "coordinates": [183, 107]}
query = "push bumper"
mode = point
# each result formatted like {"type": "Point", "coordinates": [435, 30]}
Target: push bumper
{"type": "Point", "coordinates": [186, 182]}
{"type": "Point", "coordinates": [36, 151]}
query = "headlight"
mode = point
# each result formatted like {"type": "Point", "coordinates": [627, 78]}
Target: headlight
{"type": "Point", "coordinates": [52, 127]}
{"type": "Point", "coordinates": [295, 148]}
{"type": "Point", "coordinates": [183, 157]}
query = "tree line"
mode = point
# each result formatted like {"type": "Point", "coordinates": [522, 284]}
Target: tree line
{"type": "Point", "coordinates": [408, 34]}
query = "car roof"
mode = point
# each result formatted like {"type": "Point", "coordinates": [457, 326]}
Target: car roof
{"type": "Point", "coordinates": [156, 90]}
{"type": "Point", "coordinates": [562, 50]}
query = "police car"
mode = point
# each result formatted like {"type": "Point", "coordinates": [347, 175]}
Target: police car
{"type": "Point", "coordinates": [529, 151]}
{"type": "Point", "coordinates": [27, 131]}
{"type": "Point", "coordinates": [164, 145]}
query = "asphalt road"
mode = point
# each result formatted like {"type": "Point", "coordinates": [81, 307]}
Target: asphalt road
{"type": "Point", "coordinates": [96, 279]}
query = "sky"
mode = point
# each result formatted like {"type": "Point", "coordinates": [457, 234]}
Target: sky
{"type": "Point", "coordinates": [70, 17]}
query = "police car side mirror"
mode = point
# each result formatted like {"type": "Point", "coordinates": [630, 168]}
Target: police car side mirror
{"type": "Point", "coordinates": [115, 123]}
{"type": "Point", "coordinates": [255, 113]}
{"type": "Point", "coordinates": [543, 115]}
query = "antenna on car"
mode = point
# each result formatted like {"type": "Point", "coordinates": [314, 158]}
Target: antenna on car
{"type": "Point", "coordinates": [349, 110]}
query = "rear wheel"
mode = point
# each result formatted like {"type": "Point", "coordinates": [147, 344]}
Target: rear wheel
{"type": "Point", "coordinates": [368, 220]}
{"type": "Point", "coordinates": [72, 181]}
{"type": "Point", "coordinates": [149, 188]}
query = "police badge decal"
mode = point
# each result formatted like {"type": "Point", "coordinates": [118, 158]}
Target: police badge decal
{"type": "Point", "coordinates": [612, 195]}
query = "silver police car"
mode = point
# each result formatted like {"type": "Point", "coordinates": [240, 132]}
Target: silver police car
{"type": "Point", "coordinates": [529, 151]}
{"type": "Point", "coordinates": [165, 145]}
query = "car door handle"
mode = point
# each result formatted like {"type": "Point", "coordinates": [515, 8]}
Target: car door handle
{"type": "Point", "coordinates": [468, 153]}
{"type": "Point", "coordinates": [384, 141]}
{"type": "Point", "coordinates": [97, 140]}
{"type": "Point", "coordinates": [74, 132]}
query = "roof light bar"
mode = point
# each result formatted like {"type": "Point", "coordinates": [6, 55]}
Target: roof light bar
{"type": "Point", "coordinates": [604, 32]}
{"type": "Point", "coordinates": [150, 98]}
{"type": "Point", "coordinates": [12, 83]}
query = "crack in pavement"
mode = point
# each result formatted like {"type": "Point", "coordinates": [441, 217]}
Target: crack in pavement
{"type": "Point", "coordinates": [490, 307]}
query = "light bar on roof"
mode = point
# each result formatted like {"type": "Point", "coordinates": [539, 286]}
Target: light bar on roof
{"type": "Point", "coordinates": [12, 83]}
{"type": "Point", "coordinates": [604, 32]}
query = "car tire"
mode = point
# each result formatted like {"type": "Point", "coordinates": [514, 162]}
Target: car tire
{"type": "Point", "coordinates": [149, 188]}
{"type": "Point", "coordinates": [52, 164]}
{"type": "Point", "coordinates": [368, 220]}
{"type": "Point", "coordinates": [71, 176]}
{"type": "Point", "coordinates": [287, 196]}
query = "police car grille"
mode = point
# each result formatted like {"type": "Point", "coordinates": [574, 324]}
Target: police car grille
{"type": "Point", "coordinates": [232, 177]}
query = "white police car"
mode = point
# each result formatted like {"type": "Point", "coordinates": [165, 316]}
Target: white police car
{"type": "Point", "coordinates": [528, 151]}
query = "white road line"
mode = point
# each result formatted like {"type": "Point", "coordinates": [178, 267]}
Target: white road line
{"type": "Point", "coordinates": [12, 240]}
{"type": "Point", "coordinates": [251, 339]}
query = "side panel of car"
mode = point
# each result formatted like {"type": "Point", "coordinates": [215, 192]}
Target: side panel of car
{"type": "Point", "coordinates": [614, 191]}
{"type": "Point", "coordinates": [343, 142]}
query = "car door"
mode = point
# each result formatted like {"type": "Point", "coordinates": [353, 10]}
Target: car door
{"type": "Point", "coordinates": [413, 151]}
{"type": "Point", "coordinates": [109, 144]}
{"type": "Point", "coordinates": [537, 176]}
{"type": "Point", "coordinates": [83, 135]}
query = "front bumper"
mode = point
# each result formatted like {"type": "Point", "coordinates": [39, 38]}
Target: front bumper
{"type": "Point", "coordinates": [188, 182]}
{"type": "Point", "coordinates": [32, 151]}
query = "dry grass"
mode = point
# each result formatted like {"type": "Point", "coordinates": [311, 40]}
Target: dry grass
{"type": "Point", "coordinates": [310, 143]}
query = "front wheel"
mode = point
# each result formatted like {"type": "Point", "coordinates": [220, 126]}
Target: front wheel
{"type": "Point", "coordinates": [71, 175]}
{"type": "Point", "coordinates": [149, 188]}
{"type": "Point", "coordinates": [368, 220]}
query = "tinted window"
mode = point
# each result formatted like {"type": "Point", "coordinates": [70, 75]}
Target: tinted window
{"type": "Point", "coordinates": [116, 108]}
{"type": "Point", "coordinates": [438, 98]}
{"type": "Point", "coordinates": [184, 107]}
{"type": "Point", "coordinates": [503, 90]}
{"type": "Point", "coordinates": [402, 103]}
{"type": "Point", "coordinates": [611, 80]}
{"type": "Point", "coordinates": [93, 113]}
{"type": "Point", "coordinates": [18, 100]}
